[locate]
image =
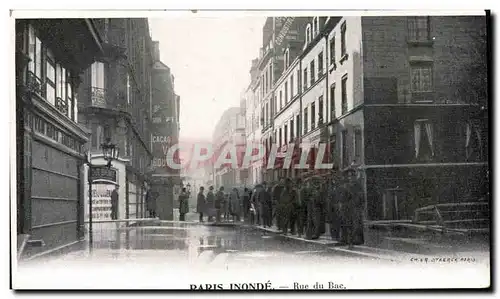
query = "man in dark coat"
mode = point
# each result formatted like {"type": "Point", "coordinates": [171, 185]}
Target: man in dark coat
{"type": "Point", "coordinates": [210, 205]}
{"type": "Point", "coordinates": [276, 198]}
{"type": "Point", "coordinates": [114, 203]}
{"type": "Point", "coordinates": [219, 202]}
{"type": "Point", "coordinates": [183, 204]}
{"type": "Point", "coordinates": [201, 203]}
{"type": "Point", "coordinates": [151, 203]}
{"type": "Point", "coordinates": [246, 204]}
{"type": "Point", "coordinates": [315, 225]}
{"type": "Point", "coordinates": [332, 207]}
{"type": "Point", "coordinates": [286, 205]}
{"type": "Point", "coordinates": [352, 209]}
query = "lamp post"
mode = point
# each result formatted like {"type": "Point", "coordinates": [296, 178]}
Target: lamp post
{"type": "Point", "coordinates": [110, 153]}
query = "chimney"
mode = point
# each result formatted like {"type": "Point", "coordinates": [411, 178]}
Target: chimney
{"type": "Point", "coordinates": [156, 49]}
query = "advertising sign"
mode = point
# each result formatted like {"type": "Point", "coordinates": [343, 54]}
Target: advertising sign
{"type": "Point", "coordinates": [101, 201]}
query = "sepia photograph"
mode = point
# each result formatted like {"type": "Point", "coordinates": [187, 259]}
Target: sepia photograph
{"type": "Point", "coordinates": [205, 150]}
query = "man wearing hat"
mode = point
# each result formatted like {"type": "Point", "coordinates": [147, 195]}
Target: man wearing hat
{"type": "Point", "coordinates": [351, 209]}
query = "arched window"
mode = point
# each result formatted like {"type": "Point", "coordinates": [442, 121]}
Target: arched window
{"type": "Point", "coordinates": [308, 34]}
{"type": "Point", "coordinates": [315, 26]}
{"type": "Point", "coordinates": [286, 58]}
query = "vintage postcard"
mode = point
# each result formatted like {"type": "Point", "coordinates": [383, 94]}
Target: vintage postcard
{"type": "Point", "coordinates": [251, 150]}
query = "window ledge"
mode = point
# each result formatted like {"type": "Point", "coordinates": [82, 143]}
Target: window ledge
{"type": "Point", "coordinates": [420, 43]}
{"type": "Point", "coordinates": [332, 67]}
{"type": "Point", "coordinates": [344, 58]}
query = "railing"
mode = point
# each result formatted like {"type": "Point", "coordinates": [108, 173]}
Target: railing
{"type": "Point", "coordinates": [98, 97]}
{"type": "Point", "coordinates": [62, 106]}
{"type": "Point", "coordinates": [34, 83]}
{"type": "Point", "coordinates": [467, 216]}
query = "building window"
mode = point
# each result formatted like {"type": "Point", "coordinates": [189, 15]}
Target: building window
{"type": "Point", "coordinates": [286, 134]}
{"type": "Point", "coordinates": [128, 89]}
{"type": "Point", "coordinates": [286, 93]}
{"type": "Point", "coordinates": [286, 59]}
{"type": "Point", "coordinates": [424, 140]}
{"type": "Point", "coordinates": [313, 73]}
{"type": "Point", "coordinates": [280, 137]}
{"type": "Point", "coordinates": [35, 55]}
{"type": "Point", "coordinates": [320, 110]}
{"type": "Point", "coordinates": [344, 95]}
{"type": "Point", "coordinates": [332, 102]}
{"type": "Point", "coordinates": [292, 92]}
{"type": "Point", "coordinates": [332, 50]}
{"type": "Point", "coordinates": [281, 99]}
{"type": "Point", "coordinates": [308, 34]}
{"type": "Point", "coordinates": [345, 157]}
{"type": "Point", "coordinates": [419, 28]}
{"type": "Point", "coordinates": [473, 142]}
{"type": "Point", "coordinates": [313, 116]}
{"type": "Point", "coordinates": [421, 77]}
{"type": "Point", "coordinates": [305, 120]}
{"type": "Point", "coordinates": [343, 47]}
{"type": "Point", "coordinates": [357, 145]}
{"type": "Point", "coordinates": [305, 79]}
{"type": "Point", "coordinates": [267, 114]}
{"type": "Point", "coordinates": [298, 81]}
{"type": "Point", "coordinates": [291, 130]}
{"type": "Point", "coordinates": [50, 78]}
{"type": "Point", "coordinates": [320, 64]}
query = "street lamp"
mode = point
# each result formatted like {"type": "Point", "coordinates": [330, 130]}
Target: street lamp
{"type": "Point", "coordinates": [110, 153]}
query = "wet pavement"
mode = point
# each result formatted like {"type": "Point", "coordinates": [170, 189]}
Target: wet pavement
{"type": "Point", "coordinates": [193, 252]}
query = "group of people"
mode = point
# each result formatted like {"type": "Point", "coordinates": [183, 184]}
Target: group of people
{"type": "Point", "coordinates": [218, 205]}
{"type": "Point", "coordinates": [302, 207]}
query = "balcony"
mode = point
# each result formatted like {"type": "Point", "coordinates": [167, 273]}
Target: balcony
{"type": "Point", "coordinates": [62, 106]}
{"type": "Point", "coordinates": [34, 84]}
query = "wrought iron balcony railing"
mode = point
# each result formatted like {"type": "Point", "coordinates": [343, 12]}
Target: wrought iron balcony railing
{"type": "Point", "coordinates": [62, 106]}
{"type": "Point", "coordinates": [34, 83]}
{"type": "Point", "coordinates": [98, 97]}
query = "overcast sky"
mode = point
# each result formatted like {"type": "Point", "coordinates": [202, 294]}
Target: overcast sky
{"type": "Point", "coordinates": [210, 58]}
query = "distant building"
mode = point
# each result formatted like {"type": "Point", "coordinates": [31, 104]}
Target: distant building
{"type": "Point", "coordinates": [165, 134]}
{"type": "Point", "coordinates": [230, 130]}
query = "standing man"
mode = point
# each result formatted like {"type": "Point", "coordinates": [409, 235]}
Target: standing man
{"type": "Point", "coordinates": [286, 205]}
{"type": "Point", "coordinates": [183, 204]}
{"type": "Point", "coordinates": [255, 202]}
{"type": "Point", "coordinates": [210, 206]}
{"type": "Point", "coordinates": [301, 207]}
{"type": "Point", "coordinates": [352, 209]}
{"type": "Point", "coordinates": [246, 204]}
{"type": "Point", "coordinates": [219, 202]}
{"type": "Point", "coordinates": [332, 206]}
{"type": "Point", "coordinates": [114, 203]}
{"type": "Point", "coordinates": [276, 198]}
{"type": "Point", "coordinates": [151, 203]}
{"type": "Point", "coordinates": [201, 203]}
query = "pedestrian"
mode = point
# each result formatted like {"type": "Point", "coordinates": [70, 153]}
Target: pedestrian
{"type": "Point", "coordinates": [235, 205]}
{"type": "Point", "coordinates": [151, 203]}
{"type": "Point", "coordinates": [254, 202]}
{"type": "Point", "coordinates": [286, 205]}
{"type": "Point", "coordinates": [332, 206]}
{"type": "Point", "coordinates": [183, 204]}
{"type": "Point", "coordinates": [219, 202]}
{"type": "Point", "coordinates": [201, 203]}
{"type": "Point", "coordinates": [246, 204]}
{"type": "Point", "coordinates": [270, 207]}
{"type": "Point", "coordinates": [276, 198]}
{"type": "Point", "coordinates": [314, 209]}
{"type": "Point", "coordinates": [225, 207]}
{"type": "Point", "coordinates": [301, 207]}
{"type": "Point", "coordinates": [265, 202]}
{"type": "Point", "coordinates": [210, 204]}
{"type": "Point", "coordinates": [114, 203]}
{"type": "Point", "coordinates": [352, 207]}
